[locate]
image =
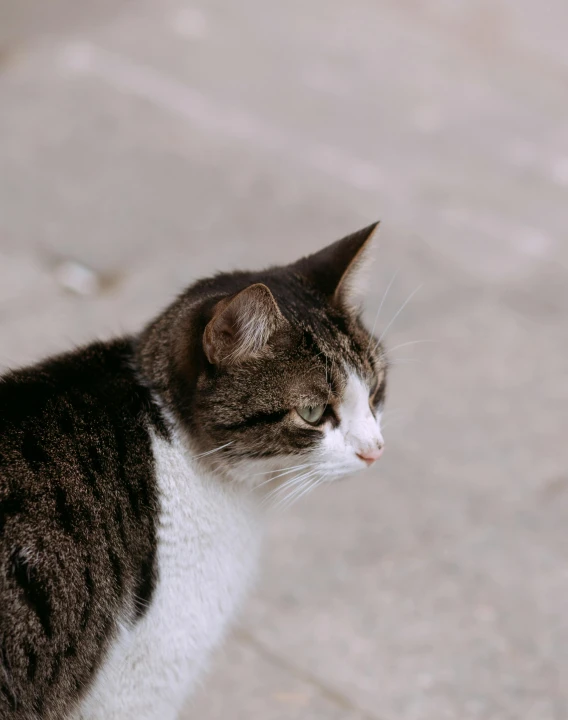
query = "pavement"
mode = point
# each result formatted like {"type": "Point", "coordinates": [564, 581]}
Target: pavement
{"type": "Point", "coordinates": [161, 141]}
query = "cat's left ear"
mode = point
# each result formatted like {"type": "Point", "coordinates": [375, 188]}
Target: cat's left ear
{"type": "Point", "coordinates": [242, 325]}
{"type": "Point", "coordinates": [334, 270]}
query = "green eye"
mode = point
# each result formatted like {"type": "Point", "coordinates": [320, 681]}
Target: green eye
{"type": "Point", "coordinates": [311, 415]}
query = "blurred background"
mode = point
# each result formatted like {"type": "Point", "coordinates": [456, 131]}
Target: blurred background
{"type": "Point", "coordinates": [144, 144]}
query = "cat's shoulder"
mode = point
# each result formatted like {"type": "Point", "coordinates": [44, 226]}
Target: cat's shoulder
{"type": "Point", "coordinates": [63, 391]}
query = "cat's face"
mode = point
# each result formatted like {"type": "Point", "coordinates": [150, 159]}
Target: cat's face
{"type": "Point", "coordinates": [291, 381]}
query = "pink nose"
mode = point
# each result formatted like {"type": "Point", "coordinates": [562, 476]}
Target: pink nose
{"type": "Point", "coordinates": [369, 456]}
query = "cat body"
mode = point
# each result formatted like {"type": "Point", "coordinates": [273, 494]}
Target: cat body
{"type": "Point", "coordinates": [135, 474]}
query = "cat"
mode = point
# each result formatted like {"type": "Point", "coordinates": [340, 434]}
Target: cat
{"type": "Point", "coordinates": [135, 473]}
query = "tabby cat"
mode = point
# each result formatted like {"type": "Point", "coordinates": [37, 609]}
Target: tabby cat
{"type": "Point", "coordinates": [134, 475]}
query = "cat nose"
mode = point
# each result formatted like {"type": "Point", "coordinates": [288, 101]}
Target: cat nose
{"type": "Point", "coordinates": [369, 456]}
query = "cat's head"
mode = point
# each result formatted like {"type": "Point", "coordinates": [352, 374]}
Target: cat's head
{"type": "Point", "coordinates": [274, 369]}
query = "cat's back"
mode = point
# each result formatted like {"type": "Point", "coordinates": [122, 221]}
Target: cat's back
{"type": "Point", "coordinates": [78, 504]}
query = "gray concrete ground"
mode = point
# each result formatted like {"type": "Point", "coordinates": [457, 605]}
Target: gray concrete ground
{"type": "Point", "coordinates": [178, 139]}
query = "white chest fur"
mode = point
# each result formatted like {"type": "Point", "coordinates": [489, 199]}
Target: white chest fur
{"type": "Point", "coordinates": [207, 554]}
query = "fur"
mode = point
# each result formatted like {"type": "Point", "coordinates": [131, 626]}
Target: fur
{"type": "Point", "coordinates": [134, 477]}
{"type": "Point", "coordinates": [208, 542]}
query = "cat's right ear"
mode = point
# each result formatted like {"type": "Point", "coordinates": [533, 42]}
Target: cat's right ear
{"type": "Point", "coordinates": [334, 270]}
{"type": "Point", "coordinates": [241, 326]}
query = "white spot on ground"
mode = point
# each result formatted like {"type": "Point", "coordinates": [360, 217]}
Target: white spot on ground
{"type": "Point", "coordinates": [77, 278]}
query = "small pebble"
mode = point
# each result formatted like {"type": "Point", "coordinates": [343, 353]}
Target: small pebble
{"type": "Point", "coordinates": [77, 278]}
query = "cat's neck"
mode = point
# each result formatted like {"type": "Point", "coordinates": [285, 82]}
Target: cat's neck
{"type": "Point", "coordinates": [189, 466]}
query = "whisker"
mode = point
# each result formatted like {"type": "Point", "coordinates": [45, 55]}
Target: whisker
{"type": "Point", "coordinates": [404, 304]}
{"type": "Point", "coordinates": [313, 486]}
{"type": "Point", "coordinates": [300, 494]}
{"type": "Point", "coordinates": [290, 483]}
{"type": "Point", "coordinates": [286, 501]}
{"type": "Point", "coordinates": [281, 488]}
{"type": "Point", "coordinates": [404, 361]}
{"type": "Point", "coordinates": [210, 452]}
{"type": "Point", "coordinates": [320, 481]}
{"type": "Point", "coordinates": [292, 467]}
{"type": "Point", "coordinates": [379, 311]}
{"type": "Point", "coordinates": [390, 423]}
{"type": "Point", "coordinates": [412, 342]}
{"type": "Point", "coordinates": [393, 411]}
{"type": "Point", "coordinates": [289, 488]}
{"type": "Point", "coordinates": [286, 472]}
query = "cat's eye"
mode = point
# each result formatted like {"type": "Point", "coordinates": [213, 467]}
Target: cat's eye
{"type": "Point", "coordinates": [311, 414]}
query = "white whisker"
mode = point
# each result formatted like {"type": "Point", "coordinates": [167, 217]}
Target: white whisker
{"type": "Point", "coordinates": [290, 497]}
{"type": "Point", "coordinates": [406, 344]}
{"type": "Point", "coordinates": [405, 361]}
{"type": "Point", "coordinates": [311, 485]}
{"type": "Point", "coordinates": [281, 488]}
{"type": "Point", "coordinates": [313, 482]}
{"type": "Point", "coordinates": [389, 411]}
{"type": "Point", "coordinates": [404, 304]}
{"type": "Point", "coordinates": [210, 452]}
{"type": "Point", "coordinates": [288, 488]}
{"type": "Point", "coordinates": [291, 483]}
{"type": "Point", "coordinates": [390, 423]}
{"type": "Point", "coordinates": [282, 474]}
{"type": "Point", "coordinates": [292, 467]}
{"type": "Point", "coordinates": [379, 311]}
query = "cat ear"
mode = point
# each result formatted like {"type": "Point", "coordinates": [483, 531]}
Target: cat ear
{"type": "Point", "coordinates": [241, 326]}
{"type": "Point", "coordinates": [333, 270]}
